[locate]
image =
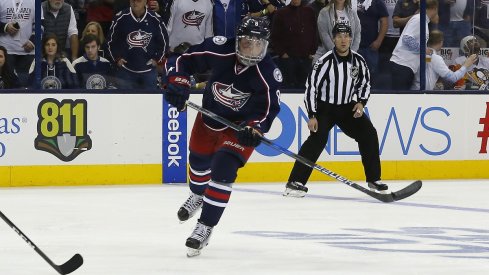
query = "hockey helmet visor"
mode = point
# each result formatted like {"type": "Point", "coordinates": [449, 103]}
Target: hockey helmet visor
{"type": "Point", "coordinates": [252, 40]}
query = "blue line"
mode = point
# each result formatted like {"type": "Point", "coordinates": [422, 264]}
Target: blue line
{"type": "Point", "coordinates": [411, 204]}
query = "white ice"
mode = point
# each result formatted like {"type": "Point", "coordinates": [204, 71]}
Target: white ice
{"type": "Point", "coordinates": [335, 229]}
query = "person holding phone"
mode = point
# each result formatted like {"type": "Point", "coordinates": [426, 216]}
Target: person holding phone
{"type": "Point", "coordinates": [17, 35]}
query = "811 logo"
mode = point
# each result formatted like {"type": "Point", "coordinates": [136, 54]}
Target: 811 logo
{"type": "Point", "coordinates": [62, 128]}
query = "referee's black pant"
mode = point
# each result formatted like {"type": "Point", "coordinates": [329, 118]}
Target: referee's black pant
{"type": "Point", "coordinates": [360, 129]}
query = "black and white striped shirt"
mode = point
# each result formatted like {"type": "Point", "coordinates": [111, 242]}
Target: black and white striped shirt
{"type": "Point", "coordinates": [337, 82]}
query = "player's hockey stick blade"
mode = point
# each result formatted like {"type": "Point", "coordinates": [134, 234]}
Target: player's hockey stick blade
{"type": "Point", "coordinates": [71, 265]}
{"type": "Point", "coordinates": [399, 195]}
{"type": "Point", "coordinates": [407, 191]}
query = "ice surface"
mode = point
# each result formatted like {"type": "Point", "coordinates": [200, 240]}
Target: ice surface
{"type": "Point", "coordinates": [335, 229]}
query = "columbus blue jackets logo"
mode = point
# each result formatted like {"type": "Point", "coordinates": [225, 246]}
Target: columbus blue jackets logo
{"type": "Point", "coordinates": [277, 74]}
{"type": "Point", "coordinates": [139, 39]}
{"type": "Point", "coordinates": [219, 40]}
{"type": "Point", "coordinates": [50, 82]}
{"type": "Point", "coordinates": [229, 96]}
{"type": "Point", "coordinates": [96, 81]}
{"type": "Point", "coordinates": [193, 18]}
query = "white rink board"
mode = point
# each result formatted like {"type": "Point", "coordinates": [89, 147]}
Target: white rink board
{"type": "Point", "coordinates": [410, 127]}
{"type": "Point", "coordinates": [125, 129]}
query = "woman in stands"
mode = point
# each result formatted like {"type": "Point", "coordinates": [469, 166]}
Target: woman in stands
{"type": "Point", "coordinates": [56, 70]}
{"type": "Point", "coordinates": [8, 78]}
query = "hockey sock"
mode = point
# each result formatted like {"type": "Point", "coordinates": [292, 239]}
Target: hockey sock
{"type": "Point", "coordinates": [218, 192]}
{"type": "Point", "coordinates": [199, 173]}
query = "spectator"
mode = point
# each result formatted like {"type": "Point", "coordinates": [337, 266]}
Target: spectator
{"type": "Point", "coordinates": [17, 35]}
{"type": "Point", "coordinates": [317, 6]}
{"type": "Point", "coordinates": [190, 21]}
{"type": "Point", "coordinates": [260, 8]}
{"type": "Point", "coordinates": [59, 18]}
{"type": "Point", "coordinates": [101, 11]}
{"type": "Point", "coordinates": [405, 58]}
{"type": "Point", "coordinates": [93, 71]}
{"type": "Point", "coordinates": [79, 11]}
{"type": "Point", "coordinates": [227, 15]}
{"type": "Point", "coordinates": [481, 23]}
{"type": "Point", "coordinates": [455, 20]}
{"type": "Point", "coordinates": [56, 70]}
{"type": "Point", "coordinates": [337, 11]}
{"type": "Point", "coordinates": [294, 37]}
{"type": "Point", "coordinates": [137, 42]}
{"type": "Point", "coordinates": [152, 5]}
{"type": "Point", "coordinates": [8, 78]}
{"type": "Point", "coordinates": [373, 18]}
{"type": "Point", "coordinates": [383, 79]}
{"type": "Point", "coordinates": [96, 29]}
{"type": "Point", "coordinates": [403, 11]}
{"type": "Point", "coordinates": [436, 67]}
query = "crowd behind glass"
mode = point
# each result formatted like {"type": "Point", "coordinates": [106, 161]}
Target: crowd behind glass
{"type": "Point", "coordinates": [83, 41]}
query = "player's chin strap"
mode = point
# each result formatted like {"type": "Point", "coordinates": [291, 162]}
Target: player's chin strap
{"type": "Point", "coordinates": [394, 196]}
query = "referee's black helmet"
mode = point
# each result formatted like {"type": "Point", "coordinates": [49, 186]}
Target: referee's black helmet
{"type": "Point", "coordinates": [341, 28]}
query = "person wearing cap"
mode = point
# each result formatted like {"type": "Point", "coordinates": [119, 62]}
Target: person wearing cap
{"type": "Point", "coordinates": [337, 90]}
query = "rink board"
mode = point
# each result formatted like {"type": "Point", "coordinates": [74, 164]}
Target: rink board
{"type": "Point", "coordinates": [119, 139]}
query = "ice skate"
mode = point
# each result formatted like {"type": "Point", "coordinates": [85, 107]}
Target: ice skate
{"type": "Point", "coordinates": [190, 207]}
{"type": "Point", "coordinates": [378, 186]}
{"type": "Point", "coordinates": [295, 189]}
{"type": "Point", "coordinates": [199, 238]}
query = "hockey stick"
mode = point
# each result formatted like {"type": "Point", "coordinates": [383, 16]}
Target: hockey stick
{"type": "Point", "coordinates": [71, 265]}
{"type": "Point", "coordinates": [393, 196]}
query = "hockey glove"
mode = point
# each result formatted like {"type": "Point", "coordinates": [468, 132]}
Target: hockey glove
{"type": "Point", "coordinates": [178, 90]}
{"type": "Point", "coordinates": [249, 136]}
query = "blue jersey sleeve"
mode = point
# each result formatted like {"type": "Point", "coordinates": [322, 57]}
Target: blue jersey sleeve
{"type": "Point", "coordinates": [200, 58]}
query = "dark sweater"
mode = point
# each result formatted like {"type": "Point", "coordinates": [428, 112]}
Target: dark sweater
{"type": "Point", "coordinates": [294, 31]}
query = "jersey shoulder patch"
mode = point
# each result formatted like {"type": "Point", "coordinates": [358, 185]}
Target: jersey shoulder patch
{"type": "Point", "coordinates": [277, 74]}
{"type": "Point", "coordinates": [219, 40]}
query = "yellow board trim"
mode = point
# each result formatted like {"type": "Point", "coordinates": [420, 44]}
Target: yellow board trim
{"type": "Point", "coordinates": [391, 170]}
{"type": "Point", "coordinates": [79, 175]}
{"type": "Point", "coordinates": [76, 175]}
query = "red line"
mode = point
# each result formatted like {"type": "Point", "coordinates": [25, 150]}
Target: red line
{"type": "Point", "coordinates": [220, 196]}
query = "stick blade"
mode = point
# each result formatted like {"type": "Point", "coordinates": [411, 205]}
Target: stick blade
{"type": "Point", "coordinates": [407, 191]}
{"type": "Point", "coordinates": [71, 265]}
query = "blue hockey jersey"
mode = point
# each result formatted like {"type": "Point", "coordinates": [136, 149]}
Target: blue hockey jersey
{"type": "Point", "coordinates": [234, 91]}
{"type": "Point", "coordinates": [93, 74]}
{"type": "Point", "coordinates": [137, 40]}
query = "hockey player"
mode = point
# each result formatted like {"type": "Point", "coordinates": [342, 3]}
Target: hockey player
{"type": "Point", "coordinates": [478, 72]}
{"type": "Point", "coordinates": [337, 78]}
{"type": "Point", "coordinates": [242, 87]}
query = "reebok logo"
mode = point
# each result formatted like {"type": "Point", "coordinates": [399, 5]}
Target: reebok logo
{"type": "Point", "coordinates": [173, 137]}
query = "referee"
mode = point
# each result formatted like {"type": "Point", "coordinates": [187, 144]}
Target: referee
{"type": "Point", "coordinates": [337, 90]}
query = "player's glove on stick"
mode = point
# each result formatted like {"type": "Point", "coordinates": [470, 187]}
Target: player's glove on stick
{"type": "Point", "coordinates": [249, 136]}
{"type": "Point", "coordinates": [178, 90]}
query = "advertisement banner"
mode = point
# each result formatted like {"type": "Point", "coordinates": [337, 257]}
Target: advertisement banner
{"type": "Point", "coordinates": [409, 127]}
{"type": "Point", "coordinates": [174, 162]}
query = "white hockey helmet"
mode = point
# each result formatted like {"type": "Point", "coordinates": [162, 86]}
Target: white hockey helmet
{"type": "Point", "coordinates": [470, 45]}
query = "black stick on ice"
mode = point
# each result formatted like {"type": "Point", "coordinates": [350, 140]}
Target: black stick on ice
{"type": "Point", "coordinates": [71, 265]}
{"type": "Point", "coordinates": [393, 196]}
